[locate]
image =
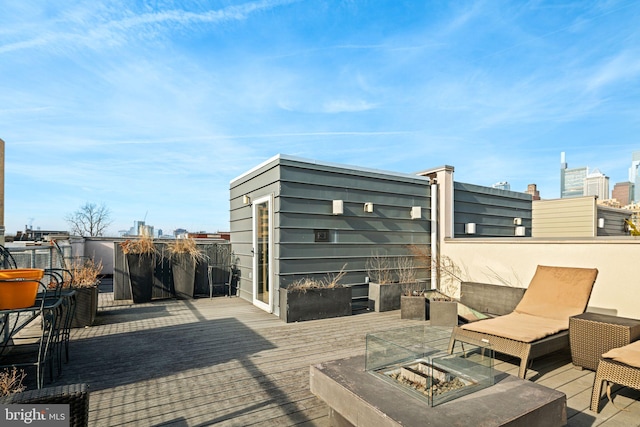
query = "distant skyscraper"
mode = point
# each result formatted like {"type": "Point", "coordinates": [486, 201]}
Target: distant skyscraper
{"type": "Point", "coordinates": [634, 175]}
{"type": "Point", "coordinates": [623, 193]}
{"type": "Point", "coordinates": [504, 185]}
{"type": "Point", "coordinates": [572, 181]}
{"type": "Point", "coordinates": [533, 190]}
{"type": "Point", "coordinates": [597, 184]}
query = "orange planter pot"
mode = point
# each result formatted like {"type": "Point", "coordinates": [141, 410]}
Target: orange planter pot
{"type": "Point", "coordinates": [19, 287]}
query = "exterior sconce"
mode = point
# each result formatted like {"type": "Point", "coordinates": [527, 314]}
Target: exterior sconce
{"type": "Point", "coordinates": [416, 212]}
{"type": "Point", "coordinates": [517, 221]}
{"type": "Point", "coordinates": [470, 228]}
{"type": "Point", "coordinates": [600, 222]}
{"type": "Point", "coordinates": [520, 230]}
{"type": "Point", "coordinates": [368, 207]}
{"type": "Point", "coordinates": [338, 207]}
{"type": "Point", "coordinates": [246, 199]}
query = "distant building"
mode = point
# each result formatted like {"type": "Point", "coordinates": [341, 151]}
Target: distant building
{"type": "Point", "coordinates": [634, 175]}
{"type": "Point", "coordinates": [623, 192]}
{"type": "Point", "coordinates": [597, 184]}
{"type": "Point", "coordinates": [180, 233]}
{"type": "Point", "coordinates": [38, 235]}
{"type": "Point", "coordinates": [140, 229]}
{"type": "Point", "coordinates": [504, 185]}
{"type": "Point", "coordinates": [533, 190]}
{"type": "Point", "coordinates": [571, 180]}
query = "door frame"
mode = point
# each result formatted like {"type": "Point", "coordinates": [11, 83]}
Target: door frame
{"type": "Point", "coordinates": [254, 231]}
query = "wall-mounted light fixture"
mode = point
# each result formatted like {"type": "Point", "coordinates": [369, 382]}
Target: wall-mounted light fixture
{"type": "Point", "coordinates": [368, 207]}
{"type": "Point", "coordinates": [470, 228]}
{"type": "Point", "coordinates": [246, 199]}
{"type": "Point", "coordinates": [416, 212]}
{"type": "Point", "coordinates": [520, 230]}
{"type": "Point", "coordinates": [600, 222]}
{"type": "Point", "coordinates": [338, 207]}
{"type": "Point", "coordinates": [517, 221]}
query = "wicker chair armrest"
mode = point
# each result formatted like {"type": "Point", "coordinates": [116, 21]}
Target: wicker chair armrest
{"type": "Point", "coordinates": [75, 395]}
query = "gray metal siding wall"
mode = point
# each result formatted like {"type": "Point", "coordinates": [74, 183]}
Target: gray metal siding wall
{"type": "Point", "coordinates": [307, 192]}
{"type": "Point", "coordinates": [261, 182]}
{"type": "Point", "coordinates": [491, 209]}
{"type": "Point", "coordinates": [614, 224]}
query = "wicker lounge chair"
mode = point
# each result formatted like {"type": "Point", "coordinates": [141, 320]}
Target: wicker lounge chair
{"type": "Point", "coordinates": [619, 366]}
{"type": "Point", "coordinates": [539, 324]}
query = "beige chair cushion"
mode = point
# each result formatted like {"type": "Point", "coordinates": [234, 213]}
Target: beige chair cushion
{"type": "Point", "coordinates": [519, 327]}
{"type": "Point", "coordinates": [629, 354]}
{"type": "Point", "coordinates": [558, 292]}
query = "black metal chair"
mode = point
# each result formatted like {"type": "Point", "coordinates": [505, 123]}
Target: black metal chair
{"type": "Point", "coordinates": [7, 261]}
{"type": "Point", "coordinates": [25, 345]}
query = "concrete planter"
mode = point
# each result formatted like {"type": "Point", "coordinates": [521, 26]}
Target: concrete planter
{"type": "Point", "coordinates": [414, 307]}
{"type": "Point", "coordinates": [429, 306]}
{"type": "Point", "coordinates": [386, 297]}
{"type": "Point", "coordinates": [443, 313]}
{"type": "Point", "coordinates": [314, 303]}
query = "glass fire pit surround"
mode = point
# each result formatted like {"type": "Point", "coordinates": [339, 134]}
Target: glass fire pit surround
{"type": "Point", "coordinates": [416, 360]}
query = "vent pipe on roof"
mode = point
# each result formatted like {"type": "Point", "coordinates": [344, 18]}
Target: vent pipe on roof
{"type": "Point", "coordinates": [434, 235]}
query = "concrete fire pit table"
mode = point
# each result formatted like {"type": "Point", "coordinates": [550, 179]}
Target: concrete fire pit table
{"type": "Point", "coordinates": [360, 392]}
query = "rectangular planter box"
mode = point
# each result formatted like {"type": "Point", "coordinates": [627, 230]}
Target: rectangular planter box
{"type": "Point", "coordinates": [443, 313]}
{"type": "Point", "coordinates": [386, 297]}
{"type": "Point", "coordinates": [314, 303]}
{"type": "Point", "coordinates": [440, 313]}
{"type": "Point", "coordinates": [86, 307]}
{"type": "Point", "coordinates": [414, 308]}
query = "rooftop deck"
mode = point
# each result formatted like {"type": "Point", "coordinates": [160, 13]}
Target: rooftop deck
{"type": "Point", "coordinates": [225, 362]}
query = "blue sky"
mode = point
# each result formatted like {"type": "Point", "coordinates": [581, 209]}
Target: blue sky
{"type": "Point", "coordinates": [153, 107]}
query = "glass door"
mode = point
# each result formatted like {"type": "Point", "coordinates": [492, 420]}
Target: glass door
{"type": "Point", "coordinates": [262, 252]}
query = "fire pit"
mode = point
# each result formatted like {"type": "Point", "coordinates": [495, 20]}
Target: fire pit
{"type": "Point", "coordinates": [415, 359]}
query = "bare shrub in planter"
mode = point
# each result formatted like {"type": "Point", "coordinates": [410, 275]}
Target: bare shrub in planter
{"type": "Point", "coordinates": [141, 259]}
{"type": "Point", "coordinates": [85, 278]}
{"type": "Point", "coordinates": [11, 381]}
{"type": "Point", "coordinates": [184, 255]}
{"type": "Point", "coordinates": [389, 279]}
{"type": "Point", "coordinates": [310, 299]}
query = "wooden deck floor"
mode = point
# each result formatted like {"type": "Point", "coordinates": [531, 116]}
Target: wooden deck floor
{"type": "Point", "coordinates": [225, 362]}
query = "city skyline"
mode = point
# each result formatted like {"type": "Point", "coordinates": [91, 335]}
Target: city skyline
{"type": "Point", "coordinates": [153, 108]}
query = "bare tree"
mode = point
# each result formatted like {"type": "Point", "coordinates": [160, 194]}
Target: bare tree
{"type": "Point", "coordinates": [90, 220]}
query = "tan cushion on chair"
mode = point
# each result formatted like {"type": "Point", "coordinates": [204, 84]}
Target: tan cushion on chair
{"type": "Point", "coordinates": [558, 292]}
{"type": "Point", "coordinates": [629, 354]}
{"type": "Point", "coordinates": [519, 327]}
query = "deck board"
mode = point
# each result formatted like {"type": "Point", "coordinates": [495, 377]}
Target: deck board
{"type": "Point", "coordinates": [224, 362]}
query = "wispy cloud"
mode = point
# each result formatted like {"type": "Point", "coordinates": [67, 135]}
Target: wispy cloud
{"type": "Point", "coordinates": [622, 68]}
{"type": "Point", "coordinates": [119, 24]}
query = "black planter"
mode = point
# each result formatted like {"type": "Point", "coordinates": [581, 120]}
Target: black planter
{"type": "Point", "coordinates": [314, 303]}
{"type": "Point", "coordinates": [183, 268]}
{"type": "Point", "coordinates": [86, 307]}
{"type": "Point", "coordinates": [141, 268]}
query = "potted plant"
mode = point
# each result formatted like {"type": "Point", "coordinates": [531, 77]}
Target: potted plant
{"type": "Point", "coordinates": [387, 283]}
{"type": "Point", "coordinates": [184, 255]}
{"type": "Point", "coordinates": [141, 261]}
{"type": "Point", "coordinates": [85, 274]}
{"type": "Point", "coordinates": [439, 306]}
{"type": "Point", "coordinates": [310, 299]}
{"type": "Point", "coordinates": [11, 381]}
